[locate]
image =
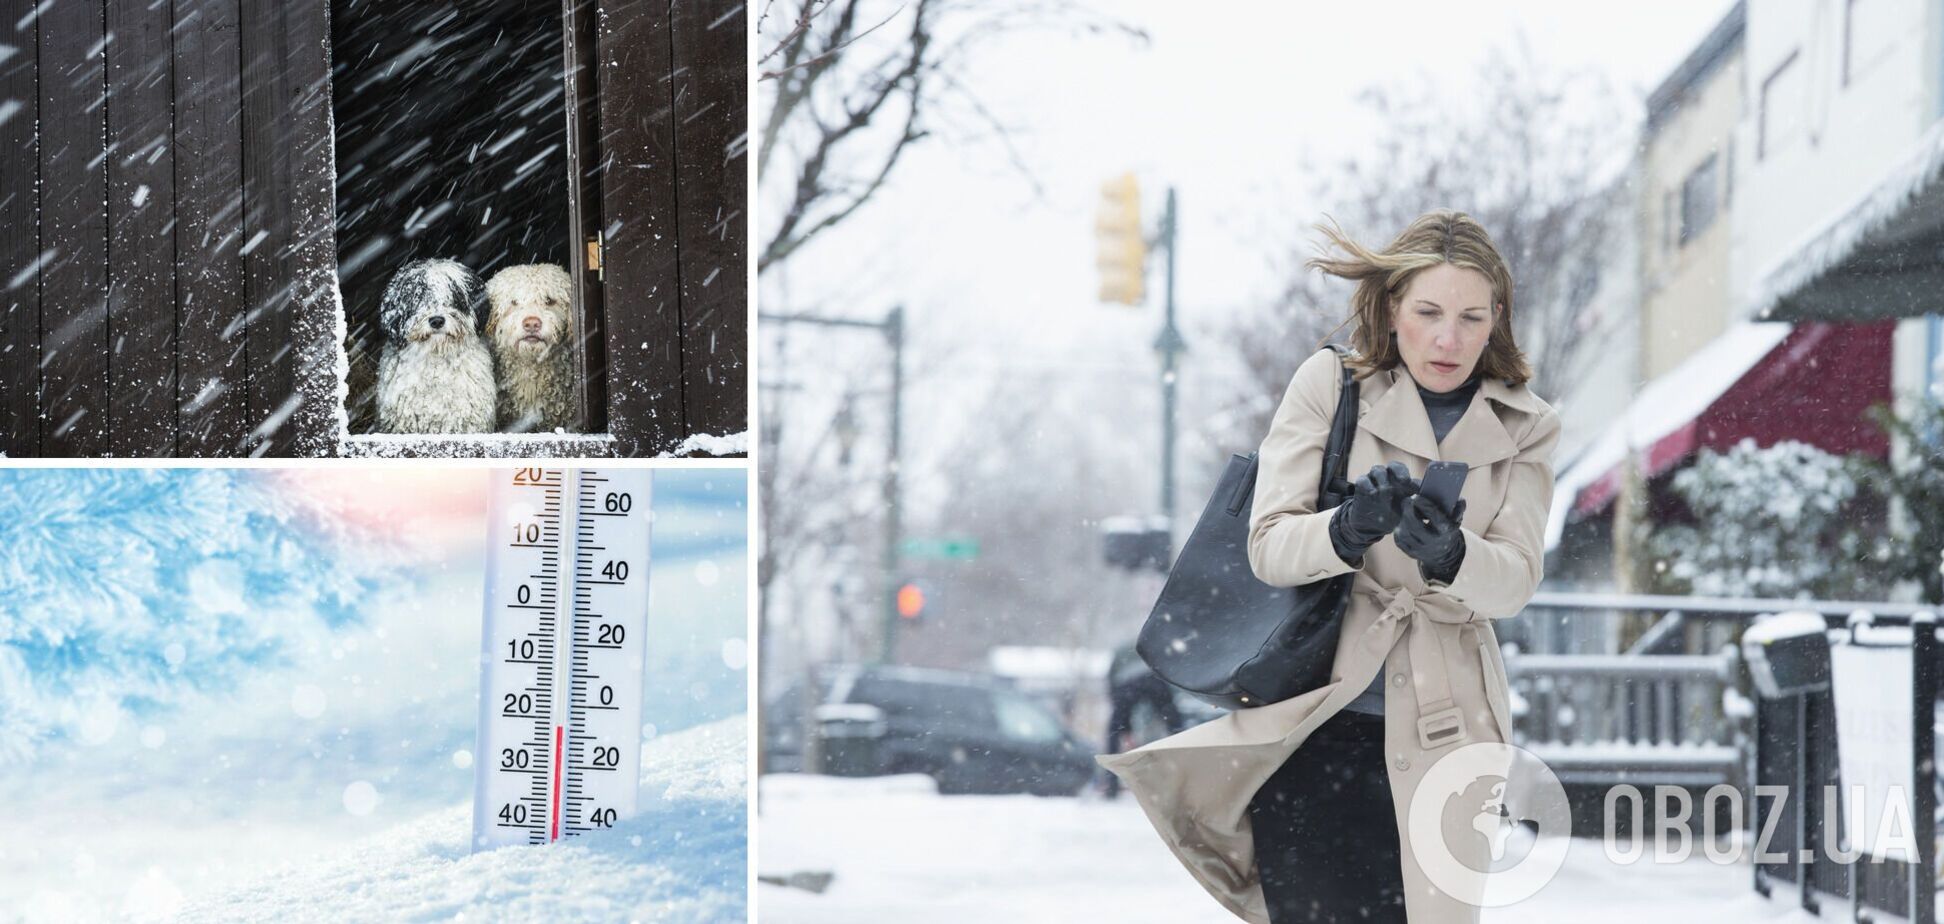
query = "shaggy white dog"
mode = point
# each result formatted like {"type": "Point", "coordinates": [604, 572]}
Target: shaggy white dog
{"type": "Point", "coordinates": [532, 326]}
{"type": "Point", "coordinates": [435, 374]}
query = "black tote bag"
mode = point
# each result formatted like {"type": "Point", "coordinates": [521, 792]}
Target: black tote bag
{"type": "Point", "coordinates": [1227, 638]}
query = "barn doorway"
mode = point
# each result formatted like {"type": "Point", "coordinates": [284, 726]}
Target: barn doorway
{"type": "Point", "coordinates": [452, 126]}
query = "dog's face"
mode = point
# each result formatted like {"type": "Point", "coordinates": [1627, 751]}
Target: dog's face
{"type": "Point", "coordinates": [530, 314]}
{"type": "Point", "coordinates": [432, 304]}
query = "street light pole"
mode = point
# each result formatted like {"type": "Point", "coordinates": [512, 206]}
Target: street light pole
{"type": "Point", "coordinates": [893, 328]}
{"type": "Point", "coordinates": [893, 510]}
{"type": "Point", "coordinates": [1171, 345]}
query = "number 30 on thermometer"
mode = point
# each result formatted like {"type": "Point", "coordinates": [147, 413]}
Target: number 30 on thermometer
{"type": "Point", "coordinates": [562, 654]}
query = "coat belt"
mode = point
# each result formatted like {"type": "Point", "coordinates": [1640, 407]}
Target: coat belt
{"type": "Point", "coordinates": [1440, 721]}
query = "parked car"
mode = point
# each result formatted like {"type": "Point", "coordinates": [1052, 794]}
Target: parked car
{"type": "Point", "coordinates": [972, 733]}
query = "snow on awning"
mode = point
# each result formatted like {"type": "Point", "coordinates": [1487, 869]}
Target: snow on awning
{"type": "Point", "coordinates": [1763, 380]}
{"type": "Point", "coordinates": [1662, 407]}
{"type": "Point", "coordinates": [1879, 258]}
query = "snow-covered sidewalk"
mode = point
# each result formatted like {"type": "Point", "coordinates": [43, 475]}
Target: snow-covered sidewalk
{"type": "Point", "coordinates": [900, 852]}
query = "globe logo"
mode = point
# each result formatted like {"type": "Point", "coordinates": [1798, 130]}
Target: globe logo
{"type": "Point", "coordinates": [1466, 824]}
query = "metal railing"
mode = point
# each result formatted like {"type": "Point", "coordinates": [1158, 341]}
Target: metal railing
{"type": "Point", "coordinates": [1644, 688]}
{"type": "Point", "coordinates": [1675, 705]}
{"type": "Point", "coordinates": [1674, 719]}
{"type": "Point", "coordinates": [1611, 688]}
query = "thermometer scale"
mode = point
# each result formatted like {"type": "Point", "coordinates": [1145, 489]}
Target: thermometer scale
{"type": "Point", "coordinates": [562, 654]}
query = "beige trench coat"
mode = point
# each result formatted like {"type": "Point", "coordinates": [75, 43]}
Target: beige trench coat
{"type": "Point", "coordinates": [1434, 641]}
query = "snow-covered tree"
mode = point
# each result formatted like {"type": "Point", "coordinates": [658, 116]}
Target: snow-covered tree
{"type": "Point", "coordinates": [122, 590]}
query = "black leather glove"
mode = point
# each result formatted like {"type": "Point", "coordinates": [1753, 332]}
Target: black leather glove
{"type": "Point", "coordinates": [1433, 537]}
{"type": "Point", "coordinates": [1375, 507]}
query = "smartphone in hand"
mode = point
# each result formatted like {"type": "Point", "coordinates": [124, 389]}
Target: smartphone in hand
{"type": "Point", "coordinates": [1442, 482]}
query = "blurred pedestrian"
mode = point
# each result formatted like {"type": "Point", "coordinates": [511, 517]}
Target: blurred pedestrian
{"type": "Point", "coordinates": [1130, 686]}
{"type": "Point", "coordinates": [1289, 811]}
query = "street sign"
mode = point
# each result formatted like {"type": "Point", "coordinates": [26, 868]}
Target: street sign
{"type": "Point", "coordinates": [952, 548]}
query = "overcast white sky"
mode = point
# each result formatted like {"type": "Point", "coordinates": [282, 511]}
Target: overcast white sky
{"type": "Point", "coordinates": [1222, 107]}
{"type": "Point", "coordinates": [999, 284]}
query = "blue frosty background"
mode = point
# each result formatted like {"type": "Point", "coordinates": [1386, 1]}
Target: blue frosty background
{"type": "Point", "coordinates": [121, 589]}
{"type": "Point", "coordinates": [208, 674]}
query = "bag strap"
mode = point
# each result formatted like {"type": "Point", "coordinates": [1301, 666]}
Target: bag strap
{"type": "Point", "coordinates": [1335, 487]}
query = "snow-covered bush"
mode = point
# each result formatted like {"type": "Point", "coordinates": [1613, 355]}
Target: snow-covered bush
{"type": "Point", "coordinates": [1787, 520]}
{"type": "Point", "coordinates": [121, 590]}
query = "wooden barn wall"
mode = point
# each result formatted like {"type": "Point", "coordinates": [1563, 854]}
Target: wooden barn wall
{"type": "Point", "coordinates": [167, 233]}
{"type": "Point", "coordinates": [673, 119]}
{"type": "Point", "coordinates": [20, 242]}
{"type": "Point", "coordinates": [711, 121]}
{"type": "Point", "coordinates": [153, 270]}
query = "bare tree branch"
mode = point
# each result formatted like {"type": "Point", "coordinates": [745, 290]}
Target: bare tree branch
{"type": "Point", "coordinates": [825, 56]}
{"type": "Point", "coordinates": [830, 94]}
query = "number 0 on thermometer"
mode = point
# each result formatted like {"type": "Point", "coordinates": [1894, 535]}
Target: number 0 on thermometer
{"type": "Point", "coordinates": [562, 654]}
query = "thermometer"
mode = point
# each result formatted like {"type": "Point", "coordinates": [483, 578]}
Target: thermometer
{"type": "Point", "coordinates": [562, 654]}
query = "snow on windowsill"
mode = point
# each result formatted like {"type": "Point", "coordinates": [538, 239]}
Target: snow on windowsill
{"type": "Point", "coordinates": [709, 444]}
{"type": "Point", "coordinates": [559, 444]}
{"type": "Point", "coordinates": [491, 445]}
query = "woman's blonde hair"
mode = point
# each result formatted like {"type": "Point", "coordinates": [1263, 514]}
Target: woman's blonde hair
{"type": "Point", "coordinates": [1437, 237]}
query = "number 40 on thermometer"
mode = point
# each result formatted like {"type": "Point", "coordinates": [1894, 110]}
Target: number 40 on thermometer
{"type": "Point", "coordinates": [562, 654]}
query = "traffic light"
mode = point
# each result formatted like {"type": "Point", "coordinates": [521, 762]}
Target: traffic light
{"type": "Point", "coordinates": [911, 601]}
{"type": "Point", "coordinates": [1121, 251]}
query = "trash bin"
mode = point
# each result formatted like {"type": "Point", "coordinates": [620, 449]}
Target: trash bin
{"type": "Point", "coordinates": [852, 739]}
{"type": "Point", "coordinates": [1787, 654]}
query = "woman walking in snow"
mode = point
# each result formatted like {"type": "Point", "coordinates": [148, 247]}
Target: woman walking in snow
{"type": "Point", "coordinates": [1293, 811]}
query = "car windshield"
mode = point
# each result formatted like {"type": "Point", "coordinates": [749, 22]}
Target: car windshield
{"type": "Point", "coordinates": [938, 706]}
{"type": "Point", "coordinates": [1021, 719]}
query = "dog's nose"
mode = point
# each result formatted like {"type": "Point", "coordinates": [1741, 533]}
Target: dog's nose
{"type": "Point", "coordinates": [531, 325]}
{"type": "Point", "coordinates": [437, 321]}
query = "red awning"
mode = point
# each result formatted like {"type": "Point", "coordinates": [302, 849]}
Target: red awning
{"type": "Point", "coordinates": [1812, 387]}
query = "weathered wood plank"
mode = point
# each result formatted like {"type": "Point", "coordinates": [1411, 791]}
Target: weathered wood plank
{"type": "Point", "coordinates": [212, 389]}
{"type": "Point", "coordinates": [710, 71]}
{"type": "Point", "coordinates": [74, 227]}
{"type": "Point", "coordinates": [268, 277]}
{"type": "Point", "coordinates": [643, 309]}
{"type": "Point", "coordinates": [141, 219]}
{"type": "Point", "coordinates": [265, 249]}
{"type": "Point", "coordinates": [313, 413]}
{"type": "Point", "coordinates": [20, 246]}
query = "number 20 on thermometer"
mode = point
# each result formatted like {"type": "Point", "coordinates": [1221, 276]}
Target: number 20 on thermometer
{"type": "Point", "coordinates": [562, 654]}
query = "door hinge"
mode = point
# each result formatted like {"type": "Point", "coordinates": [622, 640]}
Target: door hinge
{"type": "Point", "coordinates": [594, 257]}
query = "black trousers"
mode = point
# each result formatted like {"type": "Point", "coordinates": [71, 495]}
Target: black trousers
{"type": "Point", "coordinates": [1325, 833]}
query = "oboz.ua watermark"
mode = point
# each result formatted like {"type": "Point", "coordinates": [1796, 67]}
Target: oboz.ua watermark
{"type": "Point", "coordinates": [1467, 813]}
{"type": "Point", "coordinates": [1881, 814]}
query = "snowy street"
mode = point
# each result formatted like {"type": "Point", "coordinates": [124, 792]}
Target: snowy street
{"type": "Point", "coordinates": [899, 852]}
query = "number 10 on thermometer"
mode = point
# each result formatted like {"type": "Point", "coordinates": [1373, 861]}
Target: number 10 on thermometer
{"type": "Point", "coordinates": [562, 654]}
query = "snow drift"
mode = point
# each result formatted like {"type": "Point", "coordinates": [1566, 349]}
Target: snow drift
{"type": "Point", "coordinates": [682, 859]}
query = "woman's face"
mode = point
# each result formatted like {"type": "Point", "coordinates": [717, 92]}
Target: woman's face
{"type": "Point", "coordinates": [1442, 321]}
